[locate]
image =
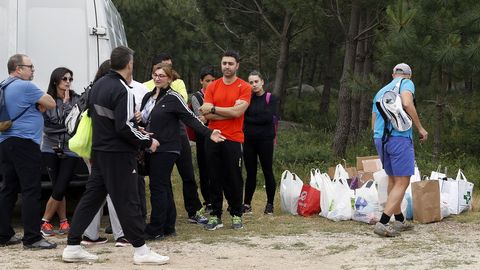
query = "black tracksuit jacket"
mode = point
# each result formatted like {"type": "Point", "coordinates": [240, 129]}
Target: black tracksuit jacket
{"type": "Point", "coordinates": [111, 106]}
{"type": "Point", "coordinates": [164, 120]}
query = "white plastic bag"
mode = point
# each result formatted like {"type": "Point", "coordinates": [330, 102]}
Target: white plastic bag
{"type": "Point", "coordinates": [315, 178]}
{"type": "Point", "coordinates": [340, 207]}
{"type": "Point", "coordinates": [458, 193]}
{"type": "Point", "coordinates": [326, 193]}
{"type": "Point", "coordinates": [366, 207]}
{"type": "Point", "coordinates": [290, 188]}
{"type": "Point", "coordinates": [340, 173]}
{"type": "Point", "coordinates": [381, 180]}
{"type": "Point", "coordinates": [408, 193]}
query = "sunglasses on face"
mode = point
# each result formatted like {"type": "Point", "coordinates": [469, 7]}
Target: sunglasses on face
{"type": "Point", "coordinates": [67, 79]}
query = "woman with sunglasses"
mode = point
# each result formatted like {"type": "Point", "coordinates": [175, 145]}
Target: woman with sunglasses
{"type": "Point", "coordinates": [161, 111]}
{"type": "Point", "coordinates": [59, 161]}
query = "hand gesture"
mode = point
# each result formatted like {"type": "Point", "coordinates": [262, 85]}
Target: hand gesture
{"type": "Point", "coordinates": [154, 145]}
{"type": "Point", "coordinates": [217, 136]}
{"type": "Point", "coordinates": [423, 134]}
{"type": "Point", "coordinates": [66, 98]}
{"type": "Point", "coordinates": [138, 116]}
{"type": "Point", "coordinates": [41, 108]}
{"type": "Point", "coordinates": [143, 131]}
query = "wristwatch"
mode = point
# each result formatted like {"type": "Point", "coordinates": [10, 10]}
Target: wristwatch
{"type": "Point", "coordinates": [212, 110]}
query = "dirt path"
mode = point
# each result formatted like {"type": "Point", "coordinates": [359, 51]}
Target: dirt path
{"type": "Point", "coordinates": [444, 245]}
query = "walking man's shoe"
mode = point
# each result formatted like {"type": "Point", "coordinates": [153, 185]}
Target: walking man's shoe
{"type": "Point", "coordinates": [77, 254]}
{"type": "Point", "coordinates": [385, 230]}
{"type": "Point", "coordinates": [402, 226]}
{"type": "Point", "coordinates": [150, 258]}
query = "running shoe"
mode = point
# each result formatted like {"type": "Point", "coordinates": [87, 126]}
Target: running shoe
{"type": "Point", "coordinates": [47, 229]}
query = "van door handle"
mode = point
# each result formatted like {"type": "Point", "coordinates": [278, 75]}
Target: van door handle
{"type": "Point", "coordinates": [99, 31]}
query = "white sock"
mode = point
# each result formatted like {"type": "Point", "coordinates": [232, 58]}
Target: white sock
{"type": "Point", "coordinates": [140, 251]}
{"type": "Point", "coordinates": [73, 247]}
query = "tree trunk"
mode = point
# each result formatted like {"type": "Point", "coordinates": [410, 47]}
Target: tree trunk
{"type": "Point", "coordinates": [356, 94]}
{"type": "Point", "coordinates": [313, 68]}
{"type": "Point", "coordinates": [469, 85]}
{"type": "Point", "coordinates": [300, 74]}
{"type": "Point", "coordinates": [339, 146]}
{"type": "Point", "coordinates": [366, 97]}
{"type": "Point", "coordinates": [280, 74]}
{"type": "Point", "coordinates": [327, 83]}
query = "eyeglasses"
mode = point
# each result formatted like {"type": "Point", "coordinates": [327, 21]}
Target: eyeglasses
{"type": "Point", "coordinates": [30, 66]}
{"type": "Point", "coordinates": [159, 75]}
{"type": "Point", "coordinates": [67, 79]}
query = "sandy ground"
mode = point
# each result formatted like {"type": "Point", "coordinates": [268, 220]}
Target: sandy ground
{"type": "Point", "coordinates": [443, 245]}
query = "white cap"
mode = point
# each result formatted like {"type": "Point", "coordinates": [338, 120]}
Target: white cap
{"type": "Point", "coordinates": [402, 68]}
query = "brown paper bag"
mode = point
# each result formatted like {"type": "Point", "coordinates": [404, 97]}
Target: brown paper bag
{"type": "Point", "coordinates": [426, 201]}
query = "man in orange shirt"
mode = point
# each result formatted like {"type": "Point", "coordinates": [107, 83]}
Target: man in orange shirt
{"type": "Point", "coordinates": [226, 100]}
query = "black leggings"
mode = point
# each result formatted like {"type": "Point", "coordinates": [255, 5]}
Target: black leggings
{"type": "Point", "coordinates": [60, 171]}
{"type": "Point", "coordinates": [264, 150]}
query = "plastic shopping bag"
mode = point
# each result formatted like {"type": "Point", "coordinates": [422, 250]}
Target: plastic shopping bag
{"type": "Point", "coordinates": [381, 181]}
{"type": "Point", "coordinates": [81, 142]}
{"type": "Point", "coordinates": [290, 188]}
{"type": "Point", "coordinates": [326, 191]}
{"type": "Point", "coordinates": [309, 201]}
{"type": "Point", "coordinates": [408, 193]}
{"type": "Point", "coordinates": [340, 207]}
{"type": "Point", "coordinates": [315, 178]}
{"type": "Point", "coordinates": [366, 207]}
{"type": "Point", "coordinates": [458, 193]}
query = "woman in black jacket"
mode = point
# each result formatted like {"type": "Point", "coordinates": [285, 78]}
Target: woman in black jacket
{"type": "Point", "coordinates": [60, 162]}
{"type": "Point", "coordinates": [160, 113]}
{"type": "Point", "coordinates": [259, 129]}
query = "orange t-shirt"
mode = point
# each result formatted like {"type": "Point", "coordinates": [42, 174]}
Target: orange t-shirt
{"type": "Point", "coordinates": [222, 95]}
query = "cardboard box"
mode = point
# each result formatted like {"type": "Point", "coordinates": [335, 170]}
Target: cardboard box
{"type": "Point", "coordinates": [360, 163]}
{"type": "Point", "coordinates": [372, 165]}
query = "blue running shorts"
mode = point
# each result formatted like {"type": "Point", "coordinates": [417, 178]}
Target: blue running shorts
{"type": "Point", "coordinates": [398, 156]}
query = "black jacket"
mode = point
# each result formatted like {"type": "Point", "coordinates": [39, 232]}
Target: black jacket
{"type": "Point", "coordinates": [111, 107]}
{"type": "Point", "coordinates": [164, 120]}
{"type": "Point", "coordinates": [259, 118]}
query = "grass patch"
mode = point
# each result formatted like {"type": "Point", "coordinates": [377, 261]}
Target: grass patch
{"type": "Point", "coordinates": [472, 217]}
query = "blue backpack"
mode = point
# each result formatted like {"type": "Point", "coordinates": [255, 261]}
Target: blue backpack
{"type": "Point", "coordinates": [5, 120]}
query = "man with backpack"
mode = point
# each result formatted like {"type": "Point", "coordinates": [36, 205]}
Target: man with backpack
{"type": "Point", "coordinates": [115, 140]}
{"type": "Point", "coordinates": [24, 102]}
{"type": "Point", "coordinates": [395, 145]}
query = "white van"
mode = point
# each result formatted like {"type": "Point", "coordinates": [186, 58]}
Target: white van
{"type": "Point", "coordinates": [78, 34]}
